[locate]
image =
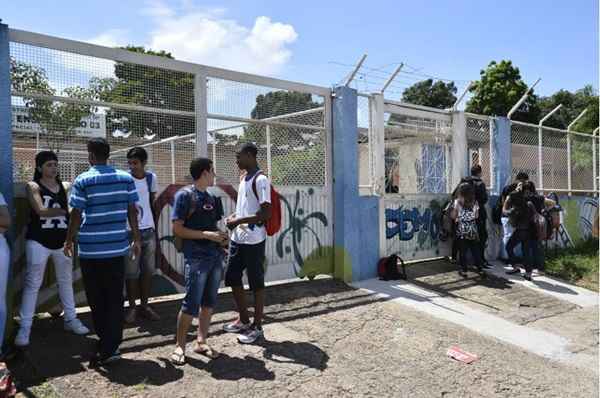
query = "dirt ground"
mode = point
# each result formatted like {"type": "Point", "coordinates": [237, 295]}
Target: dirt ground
{"type": "Point", "coordinates": [323, 338]}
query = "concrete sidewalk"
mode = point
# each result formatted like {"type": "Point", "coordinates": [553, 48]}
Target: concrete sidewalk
{"type": "Point", "coordinates": [546, 317]}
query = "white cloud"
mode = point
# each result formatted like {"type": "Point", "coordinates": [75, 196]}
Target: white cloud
{"type": "Point", "coordinates": [208, 38]}
{"type": "Point", "coordinates": [111, 38]}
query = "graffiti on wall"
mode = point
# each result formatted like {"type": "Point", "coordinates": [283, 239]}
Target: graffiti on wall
{"type": "Point", "coordinates": [413, 226]}
{"type": "Point", "coordinates": [580, 214]}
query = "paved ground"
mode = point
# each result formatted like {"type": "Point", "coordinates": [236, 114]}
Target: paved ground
{"type": "Point", "coordinates": [324, 339]}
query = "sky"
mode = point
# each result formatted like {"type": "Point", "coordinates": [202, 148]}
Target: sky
{"type": "Point", "coordinates": [317, 42]}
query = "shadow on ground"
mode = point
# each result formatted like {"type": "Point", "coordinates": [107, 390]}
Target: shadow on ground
{"type": "Point", "coordinates": [54, 354]}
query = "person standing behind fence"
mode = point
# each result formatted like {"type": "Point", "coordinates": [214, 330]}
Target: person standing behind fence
{"type": "Point", "coordinates": [140, 270]}
{"type": "Point", "coordinates": [103, 200]}
{"type": "Point", "coordinates": [465, 212]}
{"type": "Point", "coordinates": [507, 250]}
{"type": "Point", "coordinates": [247, 248]}
{"type": "Point", "coordinates": [45, 238]}
{"type": "Point", "coordinates": [4, 264]}
{"type": "Point", "coordinates": [196, 214]}
{"type": "Point", "coordinates": [520, 207]}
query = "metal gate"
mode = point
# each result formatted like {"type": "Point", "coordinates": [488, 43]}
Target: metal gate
{"type": "Point", "coordinates": [418, 178]}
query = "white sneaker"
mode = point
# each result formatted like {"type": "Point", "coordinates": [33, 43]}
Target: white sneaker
{"type": "Point", "coordinates": [76, 327]}
{"type": "Point", "coordinates": [251, 335]}
{"type": "Point", "coordinates": [22, 339]}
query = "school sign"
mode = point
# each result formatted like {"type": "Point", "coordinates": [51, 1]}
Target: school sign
{"type": "Point", "coordinates": [93, 125]}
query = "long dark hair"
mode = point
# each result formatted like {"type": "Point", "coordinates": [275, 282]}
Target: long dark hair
{"type": "Point", "coordinates": [41, 158]}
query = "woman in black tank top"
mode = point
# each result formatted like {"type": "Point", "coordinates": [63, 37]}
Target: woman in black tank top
{"type": "Point", "coordinates": [46, 235]}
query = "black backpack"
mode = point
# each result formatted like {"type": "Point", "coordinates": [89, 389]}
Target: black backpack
{"type": "Point", "coordinates": [387, 268]}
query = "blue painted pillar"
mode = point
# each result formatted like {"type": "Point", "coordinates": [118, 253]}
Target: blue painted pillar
{"type": "Point", "coordinates": [501, 154]}
{"type": "Point", "coordinates": [346, 206]}
{"type": "Point", "coordinates": [6, 149]}
{"type": "Point", "coordinates": [6, 166]}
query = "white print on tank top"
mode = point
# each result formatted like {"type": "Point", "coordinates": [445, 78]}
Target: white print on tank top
{"type": "Point", "coordinates": [59, 222]}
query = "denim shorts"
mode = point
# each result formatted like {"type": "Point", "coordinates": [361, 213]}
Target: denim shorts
{"type": "Point", "coordinates": [145, 263]}
{"type": "Point", "coordinates": [202, 280]}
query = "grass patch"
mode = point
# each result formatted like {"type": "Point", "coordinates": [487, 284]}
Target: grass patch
{"type": "Point", "coordinates": [577, 264]}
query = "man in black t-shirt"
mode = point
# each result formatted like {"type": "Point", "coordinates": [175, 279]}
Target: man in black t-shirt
{"type": "Point", "coordinates": [507, 228]}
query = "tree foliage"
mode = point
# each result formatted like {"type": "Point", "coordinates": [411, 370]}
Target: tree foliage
{"type": "Point", "coordinates": [427, 93]}
{"type": "Point", "coordinates": [152, 87]}
{"type": "Point", "coordinates": [58, 120]}
{"type": "Point", "coordinates": [498, 89]}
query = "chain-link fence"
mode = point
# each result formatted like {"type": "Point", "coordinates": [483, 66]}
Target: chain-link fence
{"type": "Point", "coordinates": [62, 98]}
{"type": "Point", "coordinates": [555, 164]}
{"type": "Point", "coordinates": [582, 167]}
{"type": "Point", "coordinates": [478, 129]}
{"type": "Point", "coordinates": [524, 149]}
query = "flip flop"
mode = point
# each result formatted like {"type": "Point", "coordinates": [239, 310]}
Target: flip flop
{"type": "Point", "coordinates": [206, 350]}
{"type": "Point", "coordinates": [178, 357]}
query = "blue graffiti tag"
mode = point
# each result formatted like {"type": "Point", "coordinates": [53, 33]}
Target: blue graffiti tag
{"type": "Point", "coordinates": [407, 223]}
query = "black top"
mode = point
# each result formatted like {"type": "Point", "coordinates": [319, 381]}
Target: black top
{"type": "Point", "coordinates": [208, 211]}
{"type": "Point", "coordinates": [50, 232]}
{"type": "Point", "coordinates": [521, 215]}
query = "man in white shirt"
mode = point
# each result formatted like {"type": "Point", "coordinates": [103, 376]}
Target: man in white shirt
{"type": "Point", "coordinates": [139, 270]}
{"type": "Point", "coordinates": [247, 247]}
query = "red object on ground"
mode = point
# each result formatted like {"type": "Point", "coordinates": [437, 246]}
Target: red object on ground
{"type": "Point", "coordinates": [460, 355]}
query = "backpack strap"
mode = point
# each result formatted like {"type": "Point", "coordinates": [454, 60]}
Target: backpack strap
{"type": "Point", "coordinates": [193, 201]}
{"type": "Point", "coordinates": [149, 177]}
{"type": "Point", "coordinates": [254, 185]}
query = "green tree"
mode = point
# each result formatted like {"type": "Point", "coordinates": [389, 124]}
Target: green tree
{"type": "Point", "coordinates": [572, 105]}
{"type": "Point", "coordinates": [295, 151]}
{"type": "Point", "coordinates": [58, 120]}
{"type": "Point", "coordinates": [279, 103]}
{"type": "Point", "coordinates": [499, 88]}
{"type": "Point", "coordinates": [151, 87]}
{"type": "Point", "coordinates": [427, 93]}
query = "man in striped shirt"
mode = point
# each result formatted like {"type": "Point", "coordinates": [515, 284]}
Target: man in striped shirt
{"type": "Point", "coordinates": [102, 200]}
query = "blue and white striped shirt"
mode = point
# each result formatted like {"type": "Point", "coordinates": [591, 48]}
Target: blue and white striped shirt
{"type": "Point", "coordinates": [103, 194]}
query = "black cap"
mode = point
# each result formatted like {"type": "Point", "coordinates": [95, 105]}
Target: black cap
{"type": "Point", "coordinates": [249, 147]}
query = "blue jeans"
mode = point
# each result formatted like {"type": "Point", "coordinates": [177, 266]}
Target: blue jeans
{"type": "Point", "coordinates": [506, 251]}
{"type": "Point", "coordinates": [4, 264]}
{"type": "Point", "coordinates": [202, 280]}
{"type": "Point", "coordinates": [532, 255]}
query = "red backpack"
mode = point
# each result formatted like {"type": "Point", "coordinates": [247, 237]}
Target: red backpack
{"type": "Point", "coordinates": [273, 224]}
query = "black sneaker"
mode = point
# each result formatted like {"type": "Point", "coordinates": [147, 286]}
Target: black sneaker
{"type": "Point", "coordinates": [103, 361]}
{"type": "Point", "coordinates": [462, 273]}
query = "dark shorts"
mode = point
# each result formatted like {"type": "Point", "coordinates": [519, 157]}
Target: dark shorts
{"type": "Point", "coordinates": [246, 257]}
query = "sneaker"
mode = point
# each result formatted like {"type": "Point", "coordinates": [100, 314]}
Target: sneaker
{"type": "Point", "coordinates": [487, 265]}
{"type": "Point", "coordinates": [236, 327]}
{"type": "Point", "coordinates": [251, 335]}
{"type": "Point", "coordinates": [195, 322]}
{"type": "Point", "coordinates": [527, 276]}
{"type": "Point", "coordinates": [76, 327]}
{"type": "Point", "coordinates": [22, 339]}
{"type": "Point", "coordinates": [131, 316]}
{"type": "Point", "coordinates": [150, 314]}
{"type": "Point", "coordinates": [462, 273]}
{"type": "Point", "coordinates": [114, 357]}
{"type": "Point", "coordinates": [513, 271]}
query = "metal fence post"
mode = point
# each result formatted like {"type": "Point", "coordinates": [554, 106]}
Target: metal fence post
{"type": "Point", "coordinates": [569, 169]}
{"type": "Point", "coordinates": [201, 110]}
{"type": "Point", "coordinates": [595, 159]}
{"type": "Point", "coordinates": [269, 169]}
{"type": "Point", "coordinates": [172, 162]}
{"type": "Point", "coordinates": [540, 162]}
{"type": "Point", "coordinates": [492, 156]}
